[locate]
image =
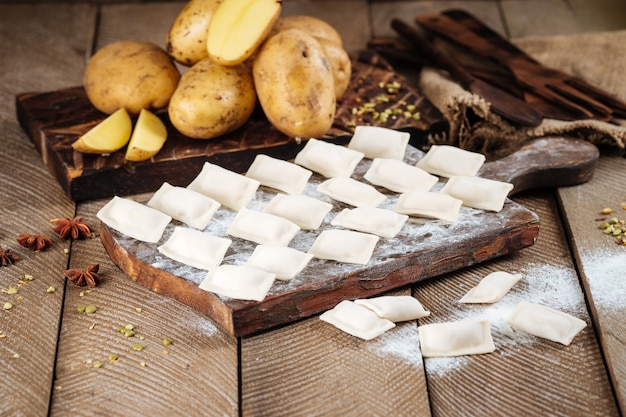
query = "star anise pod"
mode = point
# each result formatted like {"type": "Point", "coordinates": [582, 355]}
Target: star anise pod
{"type": "Point", "coordinates": [34, 242]}
{"type": "Point", "coordinates": [6, 257]}
{"type": "Point", "coordinates": [75, 228]}
{"type": "Point", "coordinates": [82, 277]}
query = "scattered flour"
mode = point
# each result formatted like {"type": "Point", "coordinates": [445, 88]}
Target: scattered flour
{"type": "Point", "coordinates": [604, 270]}
{"type": "Point", "coordinates": [401, 342]}
{"type": "Point", "coordinates": [554, 286]}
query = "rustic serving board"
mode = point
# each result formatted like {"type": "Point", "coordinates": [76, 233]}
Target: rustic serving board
{"type": "Point", "coordinates": [422, 250]}
{"type": "Point", "coordinates": [54, 120]}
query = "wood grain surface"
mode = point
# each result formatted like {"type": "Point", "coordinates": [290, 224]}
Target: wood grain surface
{"type": "Point", "coordinates": [48, 349]}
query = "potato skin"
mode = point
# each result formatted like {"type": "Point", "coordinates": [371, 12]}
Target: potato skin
{"type": "Point", "coordinates": [212, 100]}
{"type": "Point", "coordinates": [187, 37]}
{"type": "Point", "coordinates": [312, 25]}
{"type": "Point", "coordinates": [131, 74]}
{"type": "Point", "coordinates": [294, 84]}
{"type": "Point", "coordinates": [340, 64]}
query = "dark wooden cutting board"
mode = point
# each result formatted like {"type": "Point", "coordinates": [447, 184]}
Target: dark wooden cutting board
{"type": "Point", "coordinates": [54, 120]}
{"type": "Point", "coordinates": [422, 250]}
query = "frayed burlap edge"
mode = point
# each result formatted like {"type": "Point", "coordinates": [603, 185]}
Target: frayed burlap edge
{"type": "Point", "coordinates": [474, 127]}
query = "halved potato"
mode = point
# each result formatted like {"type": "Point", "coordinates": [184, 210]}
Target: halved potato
{"type": "Point", "coordinates": [148, 137]}
{"type": "Point", "coordinates": [108, 136]}
{"type": "Point", "coordinates": [238, 27]}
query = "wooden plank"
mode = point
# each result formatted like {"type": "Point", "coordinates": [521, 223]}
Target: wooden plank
{"type": "Point", "coordinates": [38, 54]}
{"type": "Point", "coordinates": [312, 368]}
{"type": "Point", "coordinates": [499, 382]}
{"type": "Point", "coordinates": [600, 260]}
{"type": "Point", "coordinates": [383, 12]}
{"type": "Point", "coordinates": [539, 18]}
{"type": "Point", "coordinates": [198, 371]}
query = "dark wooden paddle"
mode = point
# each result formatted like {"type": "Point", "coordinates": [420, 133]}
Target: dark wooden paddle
{"type": "Point", "coordinates": [547, 85]}
{"type": "Point", "coordinates": [502, 103]}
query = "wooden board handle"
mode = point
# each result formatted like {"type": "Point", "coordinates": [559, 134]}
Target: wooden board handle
{"type": "Point", "coordinates": [545, 162]}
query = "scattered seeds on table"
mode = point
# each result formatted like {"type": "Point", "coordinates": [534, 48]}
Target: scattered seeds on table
{"type": "Point", "coordinates": [7, 306]}
{"type": "Point", "coordinates": [137, 347]}
{"type": "Point", "coordinates": [90, 309]}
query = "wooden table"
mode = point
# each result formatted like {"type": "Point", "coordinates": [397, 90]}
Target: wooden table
{"type": "Point", "coordinates": [48, 349]}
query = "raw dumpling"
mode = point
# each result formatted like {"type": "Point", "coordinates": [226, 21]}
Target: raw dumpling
{"type": "Point", "coordinates": [545, 322]}
{"type": "Point", "coordinates": [242, 282]}
{"type": "Point", "coordinates": [378, 221]}
{"type": "Point", "coordinates": [184, 205]}
{"type": "Point", "coordinates": [491, 288]}
{"type": "Point", "coordinates": [228, 188]}
{"type": "Point", "coordinates": [328, 159]}
{"type": "Point", "coordinates": [399, 176]}
{"type": "Point", "coordinates": [465, 337]}
{"type": "Point", "coordinates": [356, 320]}
{"type": "Point", "coordinates": [195, 248]}
{"type": "Point", "coordinates": [478, 193]}
{"type": "Point", "coordinates": [379, 142]}
{"type": "Point", "coordinates": [429, 204]}
{"type": "Point", "coordinates": [353, 192]}
{"type": "Point", "coordinates": [262, 228]}
{"type": "Point", "coordinates": [278, 174]}
{"type": "Point", "coordinates": [344, 246]}
{"type": "Point", "coordinates": [282, 261]}
{"type": "Point", "coordinates": [307, 212]}
{"type": "Point", "coordinates": [134, 219]}
{"type": "Point", "coordinates": [395, 308]}
{"type": "Point", "coordinates": [448, 161]}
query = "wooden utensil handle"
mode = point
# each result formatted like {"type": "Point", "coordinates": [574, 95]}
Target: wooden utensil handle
{"type": "Point", "coordinates": [432, 52]}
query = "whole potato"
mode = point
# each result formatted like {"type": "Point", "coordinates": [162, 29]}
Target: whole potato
{"type": "Point", "coordinates": [312, 25]}
{"type": "Point", "coordinates": [212, 100]}
{"type": "Point", "coordinates": [294, 83]}
{"type": "Point", "coordinates": [186, 39]}
{"type": "Point", "coordinates": [131, 74]}
{"type": "Point", "coordinates": [340, 64]}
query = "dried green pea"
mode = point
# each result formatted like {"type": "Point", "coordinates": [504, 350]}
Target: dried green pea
{"type": "Point", "coordinates": [167, 342]}
{"type": "Point", "coordinates": [90, 309]}
{"type": "Point", "coordinates": [7, 306]}
{"type": "Point", "coordinates": [137, 346]}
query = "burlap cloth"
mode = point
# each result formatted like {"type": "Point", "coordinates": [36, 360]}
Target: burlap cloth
{"type": "Point", "coordinates": [598, 58]}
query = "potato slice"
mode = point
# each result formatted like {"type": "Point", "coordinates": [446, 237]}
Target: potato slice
{"type": "Point", "coordinates": [238, 27]}
{"type": "Point", "coordinates": [108, 136]}
{"type": "Point", "coordinates": [148, 137]}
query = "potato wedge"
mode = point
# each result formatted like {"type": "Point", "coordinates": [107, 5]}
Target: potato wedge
{"type": "Point", "coordinates": [108, 136]}
{"type": "Point", "coordinates": [147, 138]}
{"type": "Point", "coordinates": [238, 27]}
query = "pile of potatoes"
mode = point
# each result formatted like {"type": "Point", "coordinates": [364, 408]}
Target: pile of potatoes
{"type": "Point", "coordinates": [237, 53]}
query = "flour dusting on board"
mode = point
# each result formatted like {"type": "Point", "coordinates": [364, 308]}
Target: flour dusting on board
{"type": "Point", "coordinates": [401, 342]}
{"type": "Point", "coordinates": [553, 286]}
{"type": "Point", "coordinates": [604, 270]}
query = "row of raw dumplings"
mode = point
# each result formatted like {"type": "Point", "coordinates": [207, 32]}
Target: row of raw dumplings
{"type": "Point", "coordinates": [370, 318]}
{"type": "Point", "coordinates": [286, 214]}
